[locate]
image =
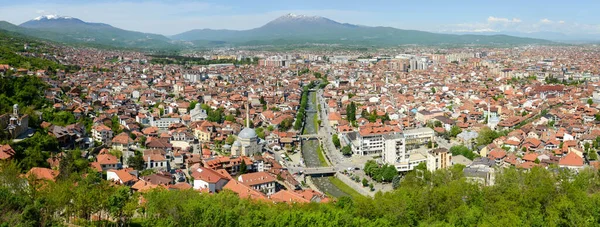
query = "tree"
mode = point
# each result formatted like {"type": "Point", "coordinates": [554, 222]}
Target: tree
{"type": "Point", "coordinates": [335, 140]}
{"type": "Point", "coordinates": [396, 182]}
{"type": "Point", "coordinates": [260, 132]}
{"type": "Point", "coordinates": [486, 136]}
{"type": "Point", "coordinates": [365, 182]}
{"type": "Point", "coordinates": [462, 150]}
{"type": "Point", "coordinates": [586, 147]}
{"type": "Point", "coordinates": [370, 168]}
{"type": "Point", "coordinates": [437, 124]}
{"type": "Point", "coordinates": [590, 102]}
{"type": "Point", "coordinates": [285, 124]}
{"type": "Point", "coordinates": [351, 112]}
{"type": "Point", "coordinates": [136, 161]}
{"type": "Point", "coordinates": [388, 173]}
{"type": "Point", "coordinates": [230, 118]}
{"type": "Point", "coordinates": [243, 167]}
{"type": "Point", "coordinates": [347, 150]}
{"type": "Point", "coordinates": [115, 125]}
{"type": "Point", "coordinates": [373, 116]}
{"type": "Point", "coordinates": [117, 201]}
{"type": "Point", "coordinates": [454, 131]}
{"type": "Point", "coordinates": [230, 139]}
{"type": "Point", "coordinates": [192, 105]}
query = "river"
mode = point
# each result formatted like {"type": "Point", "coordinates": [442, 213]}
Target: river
{"type": "Point", "coordinates": [309, 152]}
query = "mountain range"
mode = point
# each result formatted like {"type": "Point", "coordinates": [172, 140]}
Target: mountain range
{"type": "Point", "coordinates": [301, 28]}
{"type": "Point", "coordinates": [287, 29]}
{"type": "Point", "coordinates": [76, 31]}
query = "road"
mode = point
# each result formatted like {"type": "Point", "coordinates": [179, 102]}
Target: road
{"type": "Point", "coordinates": [325, 130]}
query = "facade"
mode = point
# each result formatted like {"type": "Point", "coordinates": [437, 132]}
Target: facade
{"type": "Point", "coordinates": [438, 159]}
{"type": "Point", "coordinates": [156, 161]}
{"type": "Point", "coordinates": [260, 181]}
{"type": "Point", "coordinates": [418, 137]}
{"type": "Point", "coordinates": [164, 123]}
{"type": "Point", "coordinates": [198, 114]}
{"type": "Point", "coordinates": [14, 124]}
{"type": "Point", "coordinates": [247, 143]}
{"type": "Point", "coordinates": [102, 133]}
{"type": "Point", "coordinates": [395, 149]}
{"type": "Point", "coordinates": [481, 171]}
{"type": "Point", "coordinates": [209, 179]}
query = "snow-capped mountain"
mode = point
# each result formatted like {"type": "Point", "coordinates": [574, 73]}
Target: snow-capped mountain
{"type": "Point", "coordinates": [54, 21]}
{"type": "Point", "coordinates": [51, 17]}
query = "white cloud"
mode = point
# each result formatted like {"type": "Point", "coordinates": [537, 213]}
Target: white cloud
{"type": "Point", "coordinates": [561, 22]}
{"type": "Point", "coordinates": [492, 19]}
{"type": "Point", "coordinates": [546, 21]}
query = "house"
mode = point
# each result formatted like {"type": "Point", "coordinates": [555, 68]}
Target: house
{"type": "Point", "coordinates": [260, 181]}
{"type": "Point", "coordinates": [286, 196]}
{"type": "Point", "coordinates": [571, 161]}
{"type": "Point", "coordinates": [209, 179]}
{"type": "Point", "coordinates": [497, 155]}
{"type": "Point", "coordinates": [108, 161]}
{"type": "Point", "coordinates": [244, 191]}
{"type": "Point", "coordinates": [155, 161]}
{"type": "Point", "coordinates": [158, 143]}
{"type": "Point", "coordinates": [161, 178]}
{"type": "Point", "coordinates": [122, 176]}
{"type": "Point", "coordinates": [6, 152]}
{"type": "Point", "coordinates": [122, 142]}
{"type": "Point", "coordinates": [40, 173]}
{"type": "Point", "coordinates": [102, 133]}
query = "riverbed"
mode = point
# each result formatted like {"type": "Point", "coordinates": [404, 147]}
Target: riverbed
{"type": "Point", "coordinates": [309, 152]}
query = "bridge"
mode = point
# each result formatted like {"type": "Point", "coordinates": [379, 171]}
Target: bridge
{"type": "Point", "coordinates": [310, 136]}
{"type": "Point", "coordinates": [312, 171]}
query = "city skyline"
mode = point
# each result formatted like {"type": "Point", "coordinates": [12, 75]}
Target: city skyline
{"type": "Point", "coordinates": [176, 16]}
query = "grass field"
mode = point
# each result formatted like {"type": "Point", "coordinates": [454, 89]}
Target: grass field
{"type": "Point", "coordinates": [344, 187]}
{"type": "Point", "coordinates": [321, 156]}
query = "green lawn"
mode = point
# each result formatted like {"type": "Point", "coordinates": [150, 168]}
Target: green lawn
{"type": "Point", "coordinates": [316, 122]}
{"type": "Point", "coordinates": [321, 156]}
{"type": "Point", "coordinates": [345, 188]}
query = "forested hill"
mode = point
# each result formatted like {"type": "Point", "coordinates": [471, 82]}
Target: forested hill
{"type": "Point", "coordinates": [37, 55]}
{"type": "Point", "coordinates": [538, 197]}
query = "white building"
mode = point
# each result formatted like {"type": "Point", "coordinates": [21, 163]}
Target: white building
{"type": "Point", "coordinates": [438, 159]}
{"type": "Point", "coordinates": [260, 181]}
{"type": "Point", "coordinates": [198, 114]}
{"type": "Point", "coordinates": [164, 123]}
{"type": "Point", "coordinates": [209, 179]}
{"type": "Point", "coordinates": [102, 133]}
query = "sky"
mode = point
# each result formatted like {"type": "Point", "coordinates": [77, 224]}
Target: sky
{"type": "Point", "coordinates": [175, 16]}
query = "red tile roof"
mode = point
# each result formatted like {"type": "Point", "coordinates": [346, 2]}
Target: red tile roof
{"type": "Point", "coordinates": [571, 159]}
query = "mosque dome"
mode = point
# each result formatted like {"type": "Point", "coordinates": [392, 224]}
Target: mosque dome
{"type": "Point", "coordinates": [247, 133]}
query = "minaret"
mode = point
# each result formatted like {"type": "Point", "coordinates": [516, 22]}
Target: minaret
{"type": "Point", "coordinates": [489, 117]}
{"type": "Point", "coordinates": [247, 115]}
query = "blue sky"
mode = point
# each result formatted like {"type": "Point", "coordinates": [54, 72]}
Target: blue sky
{"type": "Point", "coordinates": [175, 16]}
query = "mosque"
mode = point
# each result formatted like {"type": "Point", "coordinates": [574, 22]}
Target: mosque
{"type": "Point", "coordinates": [247, 143]}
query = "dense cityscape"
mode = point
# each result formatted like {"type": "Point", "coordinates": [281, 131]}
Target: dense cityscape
{"type": "Point", "coordinates": [309, 135]}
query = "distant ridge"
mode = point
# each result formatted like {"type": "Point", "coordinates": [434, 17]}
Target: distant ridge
{"type": "Point", "coordinates": [69, 29]}
{"type": "Point", "coordinates": [302, 28]}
